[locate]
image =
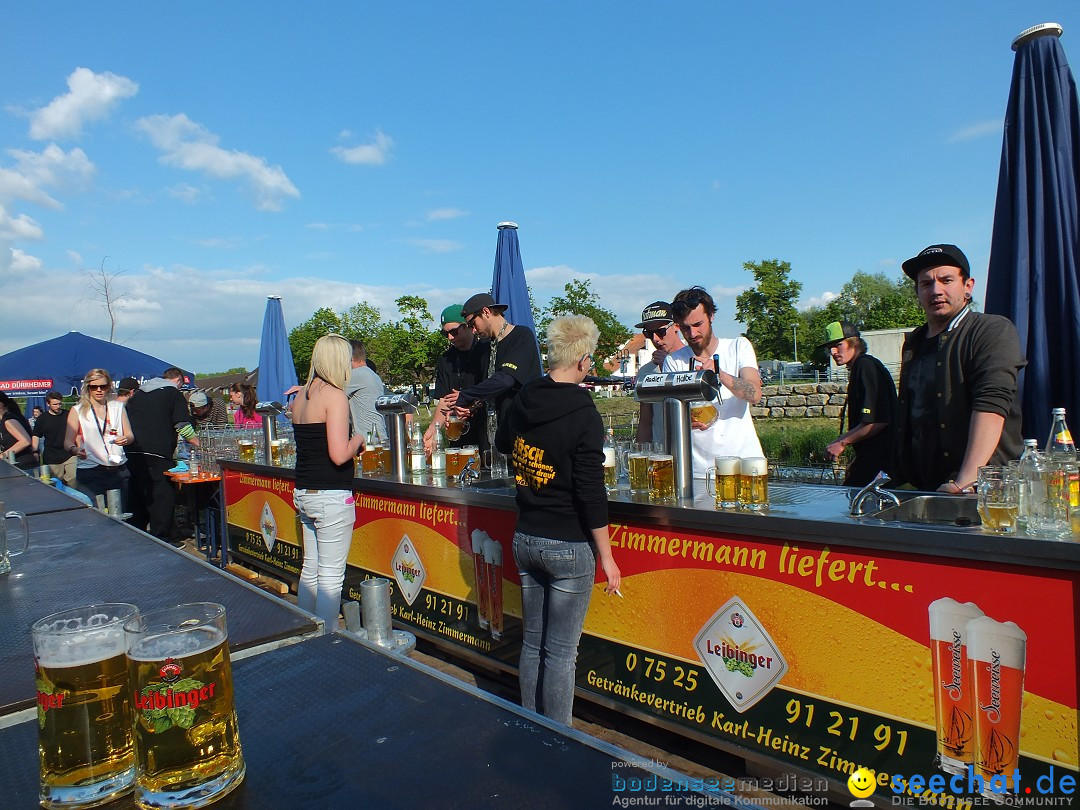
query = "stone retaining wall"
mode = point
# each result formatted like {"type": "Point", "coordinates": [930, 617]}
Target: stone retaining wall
{"type": "Point", "coordinates": [810, 399]}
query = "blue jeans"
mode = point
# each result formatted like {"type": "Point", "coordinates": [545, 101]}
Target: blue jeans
{"type": "Point", "coordinates": [327, 517]}
{"type": "Point", "coordinates": [556, 583]}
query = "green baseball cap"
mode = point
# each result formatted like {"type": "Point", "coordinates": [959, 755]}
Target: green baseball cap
{"type": "Point", "coordinates": [452, 314]}
{"type": "Point", "coordinates": [837, 331]}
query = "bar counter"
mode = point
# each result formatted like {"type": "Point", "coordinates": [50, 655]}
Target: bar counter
{"type": "Point", "coordinates": [797, 637]}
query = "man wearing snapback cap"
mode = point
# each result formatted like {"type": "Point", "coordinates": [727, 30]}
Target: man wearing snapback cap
{"type": "Point", "coordinates": [658, 326]}
{"type": "Point", "coordinates": [959, 408]}
{"type": "Point", "coordinates": [870, 411]}
{"type": "Point", "coordinates": [461, 366]}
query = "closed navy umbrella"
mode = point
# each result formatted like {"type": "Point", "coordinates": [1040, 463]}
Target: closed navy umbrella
{"type": "Point", "coordinates": [1034, 273]}
{"type": "Point", "coordinates": [276, 370]}
{"type": "Point", "coordinates": [508, 282]}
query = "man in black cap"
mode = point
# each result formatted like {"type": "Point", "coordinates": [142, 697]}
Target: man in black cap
{"type": "Point", "coordinates": [513, 360]}
{"type": "Point", "coordinates": [461, 366]}
{"type": "Point", "coordinates": [870, 411]}
{"type": "Point", "coordinates": [127, 387]}
{"type": "Point", "coordinates": [959, 408]}
{"type": "Point", "coordinates": [658, 326]}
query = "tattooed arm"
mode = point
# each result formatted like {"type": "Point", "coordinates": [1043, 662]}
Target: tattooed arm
{"type": "Point", "coordinates": [747, 386]}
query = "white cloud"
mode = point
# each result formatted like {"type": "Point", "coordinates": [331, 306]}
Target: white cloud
{"type": "Point", "coordinates": [90, 97]}
{"type": "Point", "coordinates": [976, 131]}
{"type": "Point", "coordinates": [818, 300]}
{"type": "Point", "coordinates": [188, 145]}
{"type": "Point", "coordinates": [438, 214]}
{"type": "Point", "coordinates": [18, 227]}
{"type": "Point", "coordinates": [185, 192]}
{"type": "Point", "coordinates": [23, 262]}
{"type": "Point", "coordinates": [375, 153]}
{"type": "Point", "coordinates": [52, 167]}
{"type": "Point", "coordinates": [435, 245]}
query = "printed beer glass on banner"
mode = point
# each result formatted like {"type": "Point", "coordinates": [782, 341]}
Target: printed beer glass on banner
{"type": "Point", "coordinates": [997, 653]}
{"type": "Point", "coordinates": [479, 537]}
{"type": "Point", "coordinates": [493, 558]}
{"type": "Point", "coordinates": [84, 705]}
{"type": "Point", "coordinates": [187, 746]}
{"type": "Point", "coordinates": [954, 708]}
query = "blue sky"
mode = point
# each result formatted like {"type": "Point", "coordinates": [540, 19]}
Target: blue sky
{"type": "Point", "coordinates": [213, 154]}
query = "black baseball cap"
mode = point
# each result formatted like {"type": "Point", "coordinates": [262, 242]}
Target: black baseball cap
{"type": "Point", "coordinates": [478, 302]}
{"type": "Point", "coordinates": [656, 312]}
{"type": "Point", "coordinates": [838, 331]}
{"type": "Point", "coordinates": [128, 384]}
{"type": "Point", "coordinates": [936, 256]}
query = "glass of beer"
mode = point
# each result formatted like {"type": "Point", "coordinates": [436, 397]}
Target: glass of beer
{"type": "Point", "coordinates": [952, 683]}
{"type": "Point", "coordinates": [470, 454]}
{"type": "Point", "coordinates": [997, 654]}
{"type": "Point", "coordinates": [661, 478]}
{"type": "Point", "coordinates": [84, 705]}
{"type": "Point", "coordinates": [187, 747]}
{"type": "Point", "coordinates": [247, 450]}
{"type": "Point", "coordinates": [754, 483]}
{"type": "Point", "coordinates": [637, 462]}
{"type": "Point", "coordinates": [385, 462]}
{"type": "Point", "coordinates": [369, 460]}
{"type": "Point", "coordinates": [453, 464]}
{"type": "Point", "coordinates": [998, 500]}
{"type": "Point", "coordinates": [704, 411]}
{"type": "Point", "coordinates": [275, 453]}
{"type": "Point", "coordinates": [456, 427]}
{"type": "Point", "coordinates": [725, 472]}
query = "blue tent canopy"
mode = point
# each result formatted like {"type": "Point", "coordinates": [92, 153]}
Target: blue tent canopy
{"type": "Point", "coordinates": [508, 279]}
{"type": "Point", "coordinates": [277, 373]}
{"type": "Point", "coordinates": [60, 364]}
{"type": "Point", "coordinates": [1034, 274]}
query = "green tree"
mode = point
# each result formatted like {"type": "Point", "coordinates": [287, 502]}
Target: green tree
{"type": "Point", "coordinates": [579, 299]}
{"type": "Point", "coordinates": [406, 350]}
{"type": "Point", "coordinates": [877, 302]}
{"type": "Point", "coordinates": [361, 322]}
{"type": "Point", "coordinates": [768, 309]}
{"type": "Point", "coordinates": [302, 338]}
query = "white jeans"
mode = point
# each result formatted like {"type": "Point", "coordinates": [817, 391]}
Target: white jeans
{"type": "Point", "coordinates": [327, 517]}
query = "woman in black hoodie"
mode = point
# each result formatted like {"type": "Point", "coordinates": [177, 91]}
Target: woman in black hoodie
{"type": "Point", "coordinates": [556, 438]}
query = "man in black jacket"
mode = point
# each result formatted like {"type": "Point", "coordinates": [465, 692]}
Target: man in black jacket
{"type": "Point", "coordinates": [870, 411]}
{"type": "Point", "coordinates": [158, 415]}
{"type": "Point", "coordinates": [959, 408]}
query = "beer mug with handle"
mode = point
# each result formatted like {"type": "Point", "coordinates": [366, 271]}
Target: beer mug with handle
{"type": "Point", "coordinates": [187, 747]}
{"type": "Point", "coordinates": [84, 705]}
{"type": "Point", "coordinates": [5, 553]}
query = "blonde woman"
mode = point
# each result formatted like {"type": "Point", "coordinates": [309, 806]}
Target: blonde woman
{"type": "Point", "coordinates": [556, 437]}
{"type": "Point", "coordinates": [323, 493]}
{"type": "Point", "coordinates": [97, 432]}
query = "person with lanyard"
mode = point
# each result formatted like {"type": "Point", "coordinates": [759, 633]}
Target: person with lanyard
{"type": "Point", "coordinates": [322, 494]}
{"type": "Point", "coordinates": [97, 431]}
{"type": "Point", "coordinates": [870, 410]}
{"type": "Point", "coordinates": [959, 404]}
{"type": "Point", "coordinates": [513, 360]}
{"type": "Point", "coordinates": [461, 366]}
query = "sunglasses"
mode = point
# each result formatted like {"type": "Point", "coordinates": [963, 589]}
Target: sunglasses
{"type": "Point", "coordinates": [680, 309]}
{"type": "Point", "coordinates": [102, 387]}
{"type": "Point", "coordinates": [453, 330]}
{"type": "Point", "coordinates": [658, 332]}
{"type": "Point", "coordinates": [588, 357]}
{"type": "Point", "coordinates": [471, 320]}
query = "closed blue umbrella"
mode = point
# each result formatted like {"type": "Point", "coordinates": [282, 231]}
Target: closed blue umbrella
{"type": "Point", "coordinates": [1034, 273]}
{"type": "Point", "coordinates": [508, 282]}
{"type": "Point", "coordinates": [276, 370]}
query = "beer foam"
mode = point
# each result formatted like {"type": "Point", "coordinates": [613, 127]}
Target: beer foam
{"type": "Point", "coordinates": [754, 465]}
{"type": "Point", "coordinates": [660, 457]}
{"type": "Point", "coordinates": [493, 552]}
{"type": "Point", "coordinates": [986, 637]}
{"type": "Point", "coordinates": [947, 615]}
{"type": "Point", "coordinates": [478, 537]}
{"type": "Point", "coordinates": [175, 643]}
{"type": "Point", "coordinates": [727, 465]}
{"type": "Point", "coordinates": [81, 636]}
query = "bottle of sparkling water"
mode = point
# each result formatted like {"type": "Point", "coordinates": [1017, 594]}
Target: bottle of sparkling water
{"type": "Point", "coordinates": [417, 456]}
{"type": "Point", "coordinates": [1060, 446]}
{"type": "Point", "coordinates": [438, 452]}
{"type": "Point", "coordinates": [611, 470]}
{"type": "Point", "coordinates": [1028, 472]}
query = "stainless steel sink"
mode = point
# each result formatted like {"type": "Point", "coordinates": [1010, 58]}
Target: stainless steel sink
{"type": "Point", "coordinates": [934, 510]}
{"type": "Point", "coordinates": [491, 483]}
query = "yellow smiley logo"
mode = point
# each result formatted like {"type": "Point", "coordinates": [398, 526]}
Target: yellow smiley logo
{"type": "Point", "coordinates": [861, 783]}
